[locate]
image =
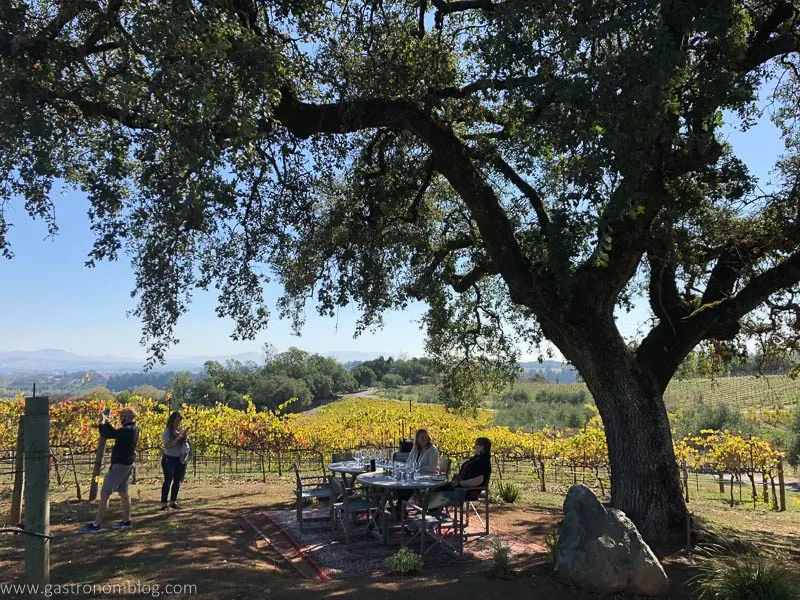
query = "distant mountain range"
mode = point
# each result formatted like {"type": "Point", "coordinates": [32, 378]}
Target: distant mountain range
{"type": "Point", "coordinates": [50, 360]}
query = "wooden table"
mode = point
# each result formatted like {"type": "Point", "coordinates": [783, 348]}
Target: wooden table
{"type": "Point", "coordinates": [388, 486]}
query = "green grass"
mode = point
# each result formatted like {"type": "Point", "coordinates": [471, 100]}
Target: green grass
{"type": "Point", "coordinates": [725, 574]}
{"type": "Point", "coordinates": [757, 392]}
{"type": "Point", "coordinates": [758, 395]}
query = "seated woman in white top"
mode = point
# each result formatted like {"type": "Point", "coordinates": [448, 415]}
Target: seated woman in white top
{"type": "Point", "coordinates": [424, 455]}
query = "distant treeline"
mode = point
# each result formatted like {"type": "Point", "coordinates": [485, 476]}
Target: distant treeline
{"type": "Point", "coordinates": [518, 408]}
{"type": "Point", "coordinates": [711, 362]}
{"type": "Point", "coordinates": [310, 378]}
{"type": "Point", "coordinates": [78, 382]}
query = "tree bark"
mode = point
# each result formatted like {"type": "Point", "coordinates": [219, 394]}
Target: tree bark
{"type": "Point", "coordinates": [645, 479]}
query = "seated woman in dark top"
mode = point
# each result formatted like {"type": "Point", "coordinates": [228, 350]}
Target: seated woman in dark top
{"type": "Point", "coordinates": [477, 470]}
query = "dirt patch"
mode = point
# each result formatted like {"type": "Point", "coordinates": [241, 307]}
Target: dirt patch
{"type": "Point", "coordinates": [207, 544]}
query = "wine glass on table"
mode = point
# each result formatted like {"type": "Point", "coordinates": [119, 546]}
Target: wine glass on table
{"type": "Point", "coordinates": [358, 455]}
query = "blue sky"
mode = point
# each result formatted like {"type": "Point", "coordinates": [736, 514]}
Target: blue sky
{"type": "Point", "coordinates": [50, 300]}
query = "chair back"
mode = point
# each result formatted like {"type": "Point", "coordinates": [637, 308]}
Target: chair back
{"type": "Point", "coordinates": [297, 476]}
{"type": "Point", "coordinates": [341, 456]}
{"type": "Point", "coordinates": [337, 487]}
{"type": "Point", "coordinates": [444, 465]}
{"type": "Point", "coordinates": [400, 456]}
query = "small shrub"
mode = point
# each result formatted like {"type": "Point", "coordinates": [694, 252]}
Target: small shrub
{"type": "Point", "coordinates": [404, 561]}
{"type": "Point", "coordinates": [745, 576]}
{"type": "Point", "coordinates": [551, 543]}
{"type": "Point", "coordinates": [501, 555]}
{"type": "Point", "coordinates": [508, 492]}
{"type": "Point", "coordinates": [553, 397]}
{"type": "Point", "coordinates": [513, 397]}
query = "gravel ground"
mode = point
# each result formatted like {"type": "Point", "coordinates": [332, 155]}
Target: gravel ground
{"type": "Point", "coordinates": [367, 556]}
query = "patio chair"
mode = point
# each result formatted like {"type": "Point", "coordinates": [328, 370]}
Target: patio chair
{"type": "Point", "coordinates": [341, 456]}
{"type": "Point", "coordinates": [346, 503]}
{"type": "Point", "coordinates": [441, 518]}
{"type": "Point", "coordinates": [400, 456]}
{"type": "Point", "coordinates": [310, 487]}
{"type": "Point", "coordinates": [481, 500]}
{"type": "Point", "coordinates": [444, 466]}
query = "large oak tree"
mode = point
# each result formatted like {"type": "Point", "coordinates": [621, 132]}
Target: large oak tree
{"type": "Point", "coordinates": [522, 166]}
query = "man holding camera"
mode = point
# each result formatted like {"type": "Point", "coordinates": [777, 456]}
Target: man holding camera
{"type": "Point", "coordinates": [122, 458]}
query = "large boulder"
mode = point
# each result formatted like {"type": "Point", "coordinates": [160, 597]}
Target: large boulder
{"type": "Point", "coordinates": [601, 550]}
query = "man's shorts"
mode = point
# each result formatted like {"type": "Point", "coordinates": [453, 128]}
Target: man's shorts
{"type": "Point", "coordinates": [116, 480]}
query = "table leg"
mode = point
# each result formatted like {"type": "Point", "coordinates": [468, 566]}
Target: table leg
{"type": "Point", "coordinates": [402, 522]}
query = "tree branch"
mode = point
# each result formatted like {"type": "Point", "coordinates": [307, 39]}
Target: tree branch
{"type": "Point", "coordinates": [413, 211]}
{"type": "Point", "coordinates": [527, 189]}
{"type": "Point", "coordinates": [627, 224]}
{"type": "Point", "coordinates": [461, 283]}
{"type": "Point", "coordinates": [91, 108]}
{"type": "Point", "coordinates": [458, 243]}
{"type": "Point", "coordinates": [765, 45]}
{"type": "Point", "coordinates": [665, 299]}
{"type": "Point", "coordinates": [452, 160]}
{"type": "Point", "coordinates": [757, 290]}
{"type": "Point", "coordinates": [664, 348]}
{"type": "Point", "coordinates": [728, 269]}
{"type": "Point", "coordinates": [762, 45]}
{"type": "Point", "coordinates": [67, 11]}
{"type": "Point", "coordinates": [484, 84]}
{"type": "Point", "coordinates": [111, 17]}
{"type": "Point", "coordinates": [445, 8]}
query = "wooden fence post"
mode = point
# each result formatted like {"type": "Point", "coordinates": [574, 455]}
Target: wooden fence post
{"type": "Point", "coordinates": [732, 500]}
{"type": "Point", "coordinates": [37, 489]}
{"type": "Point", "coordinates": [19, 474]}
{"type": "Point", "coordinates": [75, 474]}
{"type": "Point", "coordinates": [98, 466]}
{"type": "Point", "coordinates": [774, 492]}
{"type": "Point", "coordinates": [685, 482]}
{"type": "Point", "coordinates": [781, 485]}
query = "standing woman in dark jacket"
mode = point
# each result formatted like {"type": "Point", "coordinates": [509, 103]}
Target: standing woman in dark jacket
{"type": "Point", "coordinates": [173, 462]}
{"type": "Point", "coordinates": [122, 460]}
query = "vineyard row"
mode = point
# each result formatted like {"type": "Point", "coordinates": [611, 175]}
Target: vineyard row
{"type": "Point", "coordinates": [217, 431]}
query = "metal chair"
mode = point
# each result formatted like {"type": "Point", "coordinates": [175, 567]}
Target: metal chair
{"type": "Point", "coordinates": [444, 466]}
{"type": "Point", "coordinates": [341, 456]}
{"type": "Point", "coordinates": [441, 518]}
{"type": "Point", "coordinates": [310, 487]}
{"type": "Point", "coordinates": [482, 499]}
{"type": "Point", "coordinates": [346, 503]}
{"type": "Point", "coordinates": [400, 456]}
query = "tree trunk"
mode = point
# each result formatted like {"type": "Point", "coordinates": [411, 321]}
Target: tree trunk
{"type": "Point", "coordinates": [629, 393]}
{"type": "Point", "coordinates": [645, 479]}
